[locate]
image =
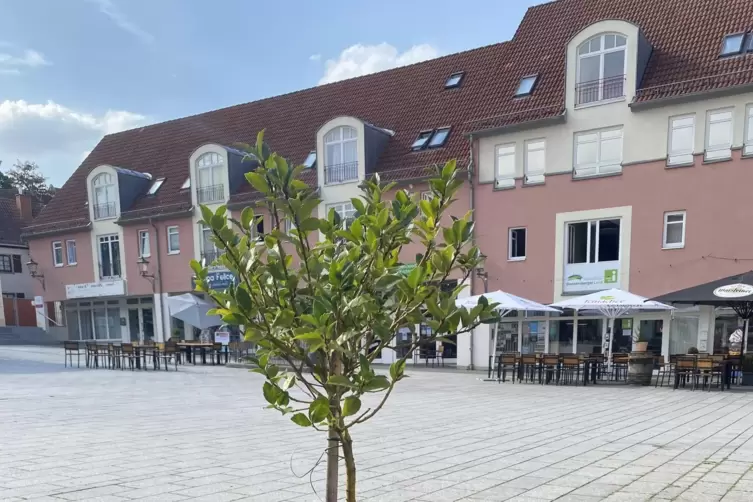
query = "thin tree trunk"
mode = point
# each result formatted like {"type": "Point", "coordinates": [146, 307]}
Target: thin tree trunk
{"type": "Point", "coordinates": [333, 453]}
{"type": "Point", "coordinates": [350, 466]}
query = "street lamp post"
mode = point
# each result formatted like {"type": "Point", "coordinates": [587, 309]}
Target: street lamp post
{"type": "Point", "coordinates": [34, 271]}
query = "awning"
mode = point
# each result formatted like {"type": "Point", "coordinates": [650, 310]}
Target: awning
{"type": "Point", "coordinates": [192, 310]}
{"type": "Point", "coordinates": [507, 302]}
{"type": "Point", "coordinates": [735, 291]}
{"type": "Point", "coordinates": [611, 303]}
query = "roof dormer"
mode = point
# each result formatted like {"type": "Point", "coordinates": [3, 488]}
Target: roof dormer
{"type": "Point", "coordinates": [605, 64]}
{"type": "Point", "coordinates": [112, 190]}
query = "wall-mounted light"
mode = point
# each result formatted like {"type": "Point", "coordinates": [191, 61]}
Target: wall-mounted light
{"type": "Point", "coordinates": [143, 264]}
{"type": "Point", "coordinates": [34, 271]}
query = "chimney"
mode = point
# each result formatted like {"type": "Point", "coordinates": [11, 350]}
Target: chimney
{"type": "Point", "coordinates": [23, 203]}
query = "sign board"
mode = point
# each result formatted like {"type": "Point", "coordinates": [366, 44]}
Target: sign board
{"type": "Point", "coordinates": [38, 302]}
{"type": "Point", "coordinates": [218, 278]}
{"type": "Point", "coordinates": [587, 277]}
{"type": "Point", "coordinates": [95, 289]}
{"type": "Point", "coordinates": [222, 337]}
{"type": "Point", "coordinates": [734, 291]}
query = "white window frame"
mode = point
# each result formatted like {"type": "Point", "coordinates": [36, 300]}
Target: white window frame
{"type": "Point", "coordinates": [104, 184]}
{"type": "Point", "coordinates": [534, 176]}
{"type": "Point", "coordinates": [217, 178]}
{"type": "Point", "coordinates": [600, 167]}
{"type": "Point", "coordinates": [145, 245]}
{"type": "Point", "coordinates": [680, 154]}
{"type": "Point", "coordinates": [71, 244]}
{"type": "Point", "coordinates": [113, 240]}
{"type": "Point", "coordinates": [347, 174]}
{"type": "Point", "coordinates": [748, 143]}
{"type": "Point", "coordinates": [58, 246]}
{"type": "Point", "coordinates": [602, 52]}
{"type": "Point", "coordinates": [505, 151]}
{"type": "Point", "coordinates": [172, 230]}
{"type": "Point", "coordinates": [665, 233]}
{"type": "Point", "coordinates": [343, 208]}
{"type": "Point", "coordinates": [510, 231]}
{"type": "Point", "coordinates": [592, 238]}
{"type": "Point", "coordinates": [722, 151]}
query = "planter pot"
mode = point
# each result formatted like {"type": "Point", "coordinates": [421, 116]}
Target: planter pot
{"type": "Point", "coordinates": [640, 368]}
{"type": "Point", "coordinates": [748, 379]}
{"type": "Point", "coordinates": [641, 346]}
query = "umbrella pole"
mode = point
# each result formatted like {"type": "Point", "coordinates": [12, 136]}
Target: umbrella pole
{"type": "Point", "coordinates": [611, 338]}
{"type": "Point", "coordinates": [745, 337]}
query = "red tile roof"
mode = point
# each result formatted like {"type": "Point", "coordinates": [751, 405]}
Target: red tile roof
{"type": "Point", "coordinates": [686, 36]}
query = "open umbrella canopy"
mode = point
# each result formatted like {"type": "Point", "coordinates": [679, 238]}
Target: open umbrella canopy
{"type": "Point", "coordinates": [507, 302]}
{"type": "Point", "coordinates": [611, 303]}
{"type": "Point", "coordinates": [192, 310]}
{"type": "Point", "coordinates": [735, 292]}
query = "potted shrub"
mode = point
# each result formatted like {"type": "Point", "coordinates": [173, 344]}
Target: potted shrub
{"type": "Point", "coordinates": [692, 351]}
{"type": "Point", "coordinates": [641, 340]}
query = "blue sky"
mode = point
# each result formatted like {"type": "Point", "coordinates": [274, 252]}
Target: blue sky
{"type": "Point", "coordinates": [74, 70]}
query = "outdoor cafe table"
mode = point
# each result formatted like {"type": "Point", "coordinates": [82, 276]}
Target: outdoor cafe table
{"type": "Point", "coordinates": [188, 348]}
{"type": "Point", "coordinates": [729, 364]}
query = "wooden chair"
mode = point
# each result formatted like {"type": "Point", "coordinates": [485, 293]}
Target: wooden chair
{"type": "Point", "coordinates": [619, 366]}
{"type": "Point", "coordinates": [666, 369]}
{"type": "Point", "coordinates": [113, 355]}
{"type": "Point", "coordinates": [169, 354]}
{"type": "Point", "coordinates": [128, 353]}
{"type": "Point", "coordinates": [569, 367]}
{"type": "Point", "coordinates": [599, 360]}
{"type": "Point", "coordinates": [684, 370]}
{"type": "Point", "coordinates": [92, 355]}
{"type": "Point", "coordinates": [69, 350]}
{"type": "Point", "coordinates": [550, 367]}
{"type": "Point", "coordinates": [527, 367]}
{"type": "Point", "coordinates": [706, 369]}
{"type": "Point", "coordinates": [507, 361]}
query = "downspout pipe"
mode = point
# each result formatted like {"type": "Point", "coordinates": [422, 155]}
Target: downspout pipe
{"type": "Point", "coordinates": [165, 336]}
{"type": "Point", "coordinates": [472, 204]}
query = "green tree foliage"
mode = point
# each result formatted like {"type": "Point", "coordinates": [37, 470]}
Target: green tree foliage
{"type": "Point", "coordinates": [26, 177]}
{"type": "Point", "coordinates": [328, 295]}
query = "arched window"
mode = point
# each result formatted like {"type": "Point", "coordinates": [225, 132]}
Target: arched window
{"type": "Point", "coordinates": [104, 195]}
{"type": "Point", "coordinates": [341, 155]}
{"type": "Point", "coordinates": [601, 68]}
{"type": "Point", "coordinates": [210, 178]}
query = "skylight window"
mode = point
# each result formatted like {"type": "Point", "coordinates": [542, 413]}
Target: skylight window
{"type": "Point", "coordinates": [422, 140]}
{"type": "Point", "coordinates": [186, 184]}
{"type": "Point", "coordinates": [525, 88]}
{"type": "Point", "coordinates": [155, 186]}
{"type": "Point", "coordinates": [454, 80]}
{"type": "Point", "coordinates": [439, 138]}
{"type": "Point", "coordinates": [310, 159]}
{"type": "Point", "coordinates": [732, 44]}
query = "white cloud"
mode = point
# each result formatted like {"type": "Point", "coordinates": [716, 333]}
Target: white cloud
{"type": "Point", "coordinates": [55, 136]}
{"type": "Point", "coordinates": [361, 59]}
{"type": "Point", "coordinates": [315, 57]}
{"type": "Point", "coordinates": [112, 11]}
{"type": "Point", "coordinates": [11, 64]}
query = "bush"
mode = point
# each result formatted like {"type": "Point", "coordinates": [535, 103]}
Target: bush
{"type": "Point", "coordinates": [692, 350]}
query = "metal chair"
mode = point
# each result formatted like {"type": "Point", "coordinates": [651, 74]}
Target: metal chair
{"type": "Point", "coordinates": [705, 370]}
{"type": "Point", "coordinates": [619, 366]}
{"type": "Point", "coordinates": [666, 369]}
{"type": "Point", "coordinates": [527, 367]}
{"type": "Point", "coordinates": [507, 361]}
{"type": "Point", "coordinates": [550, 367]}
{"type": "Point", "coordinates": [684, 370]}
{"type": "Point", "coordinates": [69, 350]}
{"type": "Point", "coordinates": [92, 355]}
{"type": "Point", "coordinates": [569, 367]}
{"type": "Point", "coordinates": [168, 354]}
{"type": "Point", "coordinates": [128, 353]}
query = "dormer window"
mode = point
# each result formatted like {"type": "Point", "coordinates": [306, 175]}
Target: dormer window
{"type": "Point", "coordinates": [422, 140]}
{"type": "Point", "coordinates": [454, 80]}
{"type": "Point", "coordinates": [525, 88]}
{"type": "Point", "coordinates": [439, 138]}
{"type": "Point", "coordinates": [601, 69]}
{"type": "Point", "coordinates": [155, 186]}
{"type": "Point", "coordinates": [733, 44]}
{"type": "Point", "coordinates": [341, 155]}
{"type": "Point", "coordinates": [186, 184]}
{"type": "Point", "coordinates": [210, 177]}
{"type": "Point", "coordinates": [310, 160]}
{"type": "Point", "coordinates": [104, 196]}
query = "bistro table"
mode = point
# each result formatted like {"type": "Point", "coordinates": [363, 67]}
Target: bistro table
{"type": "Point", "coordinates": [188, 348]}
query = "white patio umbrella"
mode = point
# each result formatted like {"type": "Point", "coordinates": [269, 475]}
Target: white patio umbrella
{"type": "Point", "coordinates": [192, 310]}
{"type": "Point", "coordinates": [508, 302]}
{"type": "Point", "coordinates": [611, 303]}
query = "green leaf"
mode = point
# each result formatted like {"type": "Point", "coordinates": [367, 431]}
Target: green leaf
{"type": "Point", "coordinates": [376, 384]}
{"type": "Point", "coordinates": [301, 419]}
{"type": "Point", "coordinates": [206, 214]}
{"type": "Point", "coordinates": [341, 381]}
{"type": "Point", "coordinates": [351, 405]}
{"type": "Point", "coordinates": [271, 393]}
{"type": "Point", "coordinates": [397, 369]}
{"type": "Point", "coordinates": [258, 182]}
{"type": "Point", "coordinates": [319, 410]}
{"type": "Point", "coordinates": [309, 225]}
{"type": "Point", "coordinates": [247, 216]}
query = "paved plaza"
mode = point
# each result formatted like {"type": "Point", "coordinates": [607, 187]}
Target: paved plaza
{"type": "Point", "coordinates": [202, 434]}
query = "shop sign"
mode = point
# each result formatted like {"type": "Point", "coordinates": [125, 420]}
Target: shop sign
{"type": "Point", "coordinates": [95, 289]}
{"type": "Point", "coordinates": [222, 337]}
{"type": "Point", "coordinates": [218, 279]}
{"type": "Point", "coordinates": [734, 291]}
{"type": "Point", "coordinates": [587, 277]}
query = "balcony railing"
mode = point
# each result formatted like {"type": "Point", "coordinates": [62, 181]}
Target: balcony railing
{"type": "Point", "coordinates": [340, 173]}
{"type": "Point", "coordinates": [212, 193]}
{"type": "Point", "coordinates": [209, 257]}
{"type": "Point", "coordinates": [600, 90]}
{"type": "Point", "coordinates": [106, 210]}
